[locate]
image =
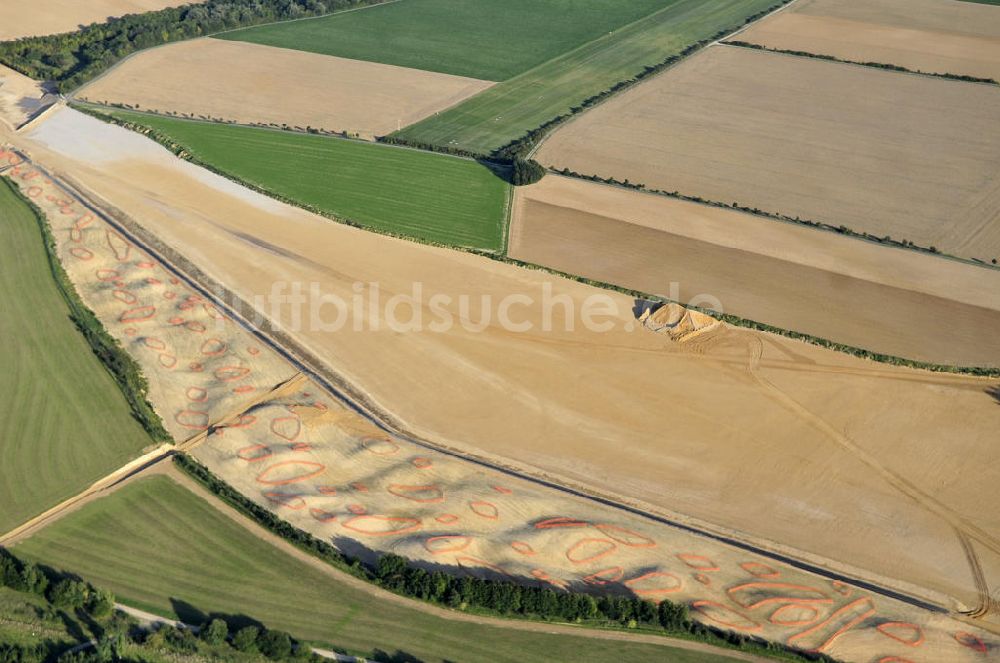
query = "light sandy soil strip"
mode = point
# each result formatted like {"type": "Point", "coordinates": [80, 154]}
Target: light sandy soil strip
{"type": "Point", "coordinates": [893, 301]}
{"type": "Point", "coordinates": [676, 428]}
{"type": "Point", "coordinates": [250, 83]}
{"type": "Point", "coordinates": [908, 156]}
{"type": "Point", "coordinates": [29, 18]}
{"type": "Point", "coordinates": [935, 36]}
{"type": "Point", "coordinates": [20, 97]}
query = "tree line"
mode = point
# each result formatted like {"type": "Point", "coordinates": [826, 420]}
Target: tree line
{"type": "Point", "coordinates": [73, 58]}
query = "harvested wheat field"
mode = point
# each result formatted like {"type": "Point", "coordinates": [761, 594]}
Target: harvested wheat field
{"type": "Point", "coordinates": [769, 440]}
{"type": "Point", "coordinates": [23, 18]}
{"type": "Point", "coordinates": [249, 83]}
{"type": "Point", "coordinates": [908, 156]}
{"type": "Point", "coordinates": [858, 293]}
{"type": "Point", "coordinates": [933, 36]}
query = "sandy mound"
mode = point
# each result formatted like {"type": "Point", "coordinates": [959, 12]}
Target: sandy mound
{"type": "Point", "coordinates": [677, 322]}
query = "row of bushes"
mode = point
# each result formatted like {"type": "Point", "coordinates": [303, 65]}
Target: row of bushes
{"type": "Point", "coordinates": [498, 597]}
{"type": "Point", "coordinates": [524, 146]}
{"type": "Point", "coordinates": [125, 370]}
{"type": "Point", "coordinates": [71, 59]}
{"type": "Point", "coordinates": [876, 65]}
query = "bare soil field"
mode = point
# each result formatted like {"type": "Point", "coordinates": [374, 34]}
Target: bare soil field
{"type": "Point", "coordinates": [934, 36]}
{"type": "Point", "coordinates": [908, 156]}
{"type": "Point", "coordinates": [863, 467]}
{"type": "Point", "coordinates": [891, 301]}
{"type": "Point", "coordinates": [46, 17]}
{"type": "Point", "coordinates": [20, 97]}
{"type": "Point", "coordinates": [249, 83]}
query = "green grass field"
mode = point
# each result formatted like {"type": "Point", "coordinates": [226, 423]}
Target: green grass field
{"type": "Point", "coordinates": [63, 421]}
{"type": "Point", "coordinates": [427, 196]}
{"type": "Point", "coordinates": [166, 550]}
{"type": "Point", "coordinates": [507, 111]}
{"type": "Point", "coordinates": [482, 39]}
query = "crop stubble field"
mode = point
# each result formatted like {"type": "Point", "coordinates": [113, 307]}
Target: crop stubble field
{"type": "Point", "coordinates": [164, 549]}
{"type": "Point", "coordinates": [63, 421]}
{"type": "Point", "coordinates": [428, 196]}
{"type": "Point", "coordinates": [935, 36]}
{"type": "Point", "coordinates": [912, 157]}
{"type": "Point", "coordinates": [510, 109]}
{"type": "Point", "coordinates": [861, 294]}
{"type": "Point", "coordinates": [249, 83]}
{"type": "Point", "coordinates": [44, 17]}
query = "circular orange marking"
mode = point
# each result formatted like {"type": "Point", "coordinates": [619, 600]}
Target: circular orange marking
{"type": "Point", "coordinates": [905, 632]}
{"type": "Point", "coordinates": [195, 326]}
{"type": "Point", "coordinates": [381, 525]}
{"type": "Point", "coordinates": [125, 297]}
{"type": "Point", "coordinates": [760, 570]}
{"type": "Point", "coordinates": [447, 518]}
{"type": "Point", "coordinates": [311, 469]}
{"type": "Point", "coordinates": [287, 428]}
{"type": "Point", "coordinates": [322, 516]}
{"type": "Point", "coordinates": [523, 547]}
{"type": "Point", "coordinates": [421, 463]}
{"type": "Point", "coordinates": [231, 373]}
{"type": "Point", "coordinates": [244, 421]}
{"type": "Point", "coordinates": [176, 320]}
{"type": "Point", "coordinates": [971, 641]}
{"type": "Point", "coordinates": [131, 331]}
{"type": "Point", "coordinates": [428, 494]}
{"type": "Point", "coordinates": [894, 659]}
{"type": "Point", "coordinates": [502, 490]}
{"type": "Point", "coordinates": [703, 579]}
{"type": "Point", "coordinates": [253, 351]}
{"type": "Point", "coordinates": [794, 614]}
{"type": "Point", "coordinates": [196, 367]}
{"type": "Point", "coordinates": [448, 543]}
{"type": "Point", "coordinates": [356, 509]}
{"type": "Point", "coordinates": [213, 347]}
{"type": "Point", "coordinates": [611, 574]}
{"type": "Point", "coordinates": [81, 253]}
{"type": "Point", "coordinates": [699, 562]}
{"type": "Point", "coordinates": [154, 343]}
{"type": "Point", "coordinates": [138, 314]}
{"type": "Point", "coordinates": [485, 510]}
{"type": "Point", "coordinates": [721, 614]}
{"type": "Point", "coordinates": [192, 419]}
{"type": "Point", "coordinates": [145, 265]}
{"type": "Point", "coordinates": [151, 281]}
{"type": "Point", "coordinates": [380, 446]}
{"type": "Point", "coordinates": [561, 521]}
{"type": "Point", "coordinates": [327, 490]}
{"type": "Point", "coordinates": [300, 446]}
{"type": "Point", "coordinates": [197, 394]}
{"type": "Point", "coordinates": [359, 487]}
{"type": "Point", "coordinates": [293, 502]}
{"type": "Point", "coordinates": [167, 360]}
{"type": "Point", "coordinates": [673, 583]}
{"type": "Point", "coordinates": [254, 453]}
{"type": "Point", "coordinates": [841, 588]}
{"type": "Point", "coordinates": [626, 537]}
{"type": "Point", "coordinates": [245, 389]}
{"type": "Point", "coordinates": [107, 275]}
{"type": "Point", "coordinates": [465, 560]}
{"type": "Point", "coordinates": [590, 550]}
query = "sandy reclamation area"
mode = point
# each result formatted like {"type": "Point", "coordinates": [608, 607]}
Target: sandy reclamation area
{"type": "Point", "coordinates": [908, 156]}
{"type": "Point", "coordinates": [934, 36]}
{"type": "Point", "coordinates": [24, 18]}
{"type": "Point", "coordinates": [250, 83]}
{"type": "Point", "coordinates": [858, 293]}
{"type": "Point", "coordinates": [868, 466]}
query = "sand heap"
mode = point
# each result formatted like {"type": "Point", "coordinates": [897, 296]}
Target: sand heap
{"type": "Point", "coordinates": [677, 322]}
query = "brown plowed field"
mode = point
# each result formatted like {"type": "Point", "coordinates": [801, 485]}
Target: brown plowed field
{"type": "Point", "coordinates": [886, 300]}
{"type": "Point", "coordinates": [909, 156]}
{"type": "Point", "coordinates": [934, 36]}
{"type": "Point", "coordinates": [249, 83]}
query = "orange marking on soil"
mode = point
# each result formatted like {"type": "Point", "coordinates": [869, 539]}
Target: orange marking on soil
{"type": "Point", "coordinates": [293, 502]}
{"type": "Point", "coordinates": [174, 281]}
{"type": "Point", "coordinates": [703, 579]}
{"type": "Point", "coordinates": [322, 516]}
{"type": "Point", "coordinates": [611, 574]}
{"type": "Point", "coordinates": [541, 574]}
{"type": "Point", "coordinates": [428, 494]}
{"type": "Point", "coordinates": [778, 617]}
{"type": "Point", "coordinates": [907, 633]}
{"type": "Point", "coordinates": [604, 547]}
{"type": "Point", "coordinates": [398, 525]}
{"type": "Point", "coordinates": [106, 275]}
{"type": "Point", "coordinates": [760, 570]}
{"type": "Point", "coordinates": [145, 265]}
{"type": "Point", "coordinates": [561, 521]}
{"type": "Point", "coordinates": [729, 618]}
{"type": "Point", "coordinates": [380, 446]}
{"type": "Point", "coordinates": [359, 487]}
{"type": "Point", "coordinates": [894, 659]}
{"type": "Point", "coordinates": [131, 331]}
{"type": "Point", "coordinates": [253, 351]}
{"type": "Point", "coordinates": [138, 314]}
{"type": "Point", "coordinates": [327, 490]}
{"type": "Point", "coordinates": [626, 536]}
{"type": "Point", "coordinates": [523, 547]}
{"type": "Point", "coordinates": [75, 235]}
{"type": "Point", "coordinates": [245, 389]}
{"type": "Point", "coordinates": [197, 394]}
{"type": "Point", "coordinates": [192, 419]}
{"type": "Point", "coordinates": [447, 518]}
{"type": "Point", "coordinates": [244, 421]}
{"type": "Point", "coordinates": [154, 343]}
{"type": "Point", "coordinates": [858, 617]}
{"type": "Point", "coordinates": [231, 373]}
{"type": "Point", "coordinates": [420, 462]}
{"type": "Point", "coordinates": [167, 360]}
{"type": "Point", "coordinates": [356, 509]}
{"type": "Point", "coordinates": [447, 543]}
{"type": "Point", "coordinates": [151, 281]}
{"type": "Point", "coordinates": [320, 406]}
{"type": "Point", "coordinates": [125, 297]}
{"type": "Point", "coordinates": [196, 367]}
{"type": "Point", "coordinates": [120, 283]}
{"type": "Point", "coordinates": [475, 561]}
{"type": "Point", "coordinates": [502, 490]}
{"type": "Point", "coordinates": [254, 453]}
{"type": "Point", "coordinates": [667, 589]}
{"type": "Point", "coordinates": [841, 588]}
{"type": "Point", "coordinates": [485, 510]}
{"type": "Point", "coordinates": [316, 470]}
{"type": "Point", "coordinates": [118, 245]}
{"type": "Point", "coordinates": [287, 428]}
{"type": "Point", "coordinates": [971, 641]}
{"type": "Point", "coordinates": [33, 191]}
{"type": "Point", "coordinates": [300, 446]}
{"type": "Point", "coordinates": [213, 347]}
{"type": "Point", "coordinates": [699, 562]}
{"type": "Point", "coordinates": [813, 595]}
{"type": "Point", "coordinates": [81, 253]}
{"type": "Point", "coordinates": [195, 326]}
{"type": "Point", "coordinates": [176, 320]}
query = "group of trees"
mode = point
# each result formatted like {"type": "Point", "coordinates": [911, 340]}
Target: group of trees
{"type": "Point", "coordinates": [73, 58]}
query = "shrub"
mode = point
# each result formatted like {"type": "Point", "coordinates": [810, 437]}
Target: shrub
{"type": "Point", "coordinates": [215, 632]}
{"type": "Point", "coordinates": [246, 639]}
{"type": "Point", "coordinates": [526, 172]}
{"type": "Point", "coordinates": [276, 645]}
